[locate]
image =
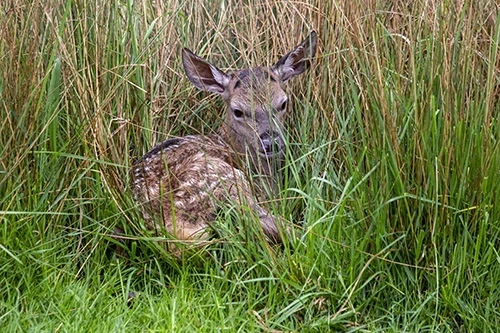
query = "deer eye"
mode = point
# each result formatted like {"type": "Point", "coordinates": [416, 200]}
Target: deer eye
{"type": "Point", "coordinates": [238, 113]}
{"type": "Point", "coordinates": [283, 106]}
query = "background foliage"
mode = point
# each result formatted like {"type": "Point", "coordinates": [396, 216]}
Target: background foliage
{"type": "Point", "coordinates": [393, 173]}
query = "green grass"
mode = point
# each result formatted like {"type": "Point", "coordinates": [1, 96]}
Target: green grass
{"type": "Point", "coordinates": [392, 177]}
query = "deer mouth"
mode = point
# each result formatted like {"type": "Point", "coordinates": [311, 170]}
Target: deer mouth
{"type": "Point", "coordinates": [271, 145]}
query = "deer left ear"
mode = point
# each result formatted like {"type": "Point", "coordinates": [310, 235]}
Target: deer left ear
{"type": "Point", "coordinates": [298, 60]}
{"type": "Point", "coordinates": [203, 74]}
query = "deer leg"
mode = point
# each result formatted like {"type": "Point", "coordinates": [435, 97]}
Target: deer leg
{"type": "Point", "coordinates": [237, 189]}
{"type": "Point", "coordinates": [269, 226]}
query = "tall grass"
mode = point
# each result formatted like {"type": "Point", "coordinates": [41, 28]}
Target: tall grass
{"type": "Point", "coordinates": [393, 175]}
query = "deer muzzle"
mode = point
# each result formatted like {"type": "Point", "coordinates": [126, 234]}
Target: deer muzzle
{"type": "Point", "coordinates": [271, 144]}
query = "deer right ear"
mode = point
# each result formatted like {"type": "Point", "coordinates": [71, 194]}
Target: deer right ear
{"type": "Point", "coordinates": [204, 75]}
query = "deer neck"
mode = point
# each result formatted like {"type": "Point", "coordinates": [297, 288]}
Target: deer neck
{"type": "Point", "coordinates": [264, 170]}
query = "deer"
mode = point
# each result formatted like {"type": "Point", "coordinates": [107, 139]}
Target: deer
{"type": "Point", "coordinates": [182, 183]}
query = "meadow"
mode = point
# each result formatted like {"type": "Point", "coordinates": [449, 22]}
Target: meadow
{"type": "Point", "coordinates": [391, 179]}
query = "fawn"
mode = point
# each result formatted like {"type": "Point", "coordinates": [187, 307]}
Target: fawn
{"type": "Point", "coordinates": [182, 183]}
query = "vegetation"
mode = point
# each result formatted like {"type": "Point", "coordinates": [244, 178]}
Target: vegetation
{"type": "Point", "coordinates": [392, 178]}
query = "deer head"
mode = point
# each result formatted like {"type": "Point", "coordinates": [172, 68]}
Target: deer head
{"type": "Point", "coordinates": [255, 99]}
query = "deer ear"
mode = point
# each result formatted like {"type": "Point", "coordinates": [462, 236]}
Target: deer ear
{"type": "Point", "coordinates": [204, 75]}
{"type": "Point", "coordinates": [298, 60]}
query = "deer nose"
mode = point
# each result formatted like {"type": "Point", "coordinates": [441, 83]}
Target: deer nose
{"type": "Point", "coordinates": [271, 143]}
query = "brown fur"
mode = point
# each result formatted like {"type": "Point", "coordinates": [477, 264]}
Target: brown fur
{"type": "Point", "coordinates": [182, 182]}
